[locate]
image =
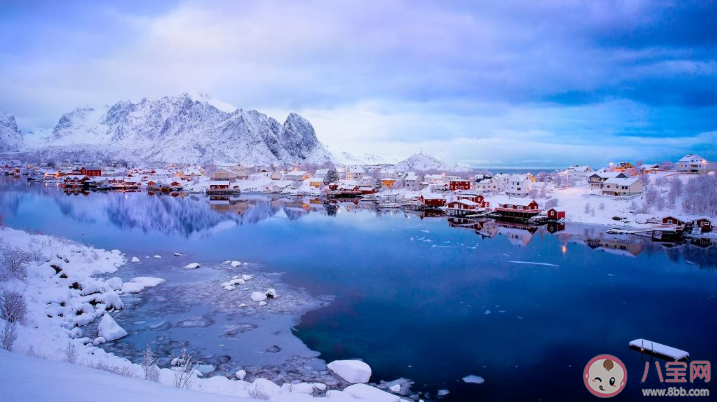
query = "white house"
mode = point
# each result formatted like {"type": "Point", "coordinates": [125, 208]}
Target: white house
{"type": "Point", "coordinates": [519, 185]}
{"type": "Point", "coordinates": [579, 174]}
{"type": "Point", "coordinates": [486, 185]}
{"type": "Point", "coordinates": [355, 173]}
{"type": "Point", "coordinates": [297, 175]}
{"type": "Point", "coordinates": [502, 179]}
{"type": "Point", "coordinates": [619, 187]}
{"type": "Point", "coordinates": [597, 179]}
{"type": "Point", "coordinates": [321, 173]}
{"type": "Point", "coordinates": [691, 163]}
{"type": "Point", "coordinates": [412, 181]}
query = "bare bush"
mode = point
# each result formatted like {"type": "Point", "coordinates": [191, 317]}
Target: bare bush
{"type": "Point", "coordinates": [149, 365]}
{"type": "Point", "coordinates": [8, 336]}
{"type": "Point", "coordinates": [184, 370]}
{"type": "Point", "coordinates": [13, 262]}
{"type": "Point", "coordinates": [13, 307]}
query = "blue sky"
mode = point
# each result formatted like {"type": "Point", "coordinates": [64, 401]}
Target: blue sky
{"type": "Point", "coordinates": [509, 83]}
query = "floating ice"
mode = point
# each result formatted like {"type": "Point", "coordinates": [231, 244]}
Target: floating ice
{"type": "Point", "coordinates": [135, 260]}
{"type": "Point", "coordinates": [473, 379]}
{"type": "Point", "coordinates": [235, 264]}
{"type": "Point", "coordinates": [157, 256]}
{"type": "Point", "coordinates": [193, 265]}
{"type": "Point", "coordinates": [258, 296]}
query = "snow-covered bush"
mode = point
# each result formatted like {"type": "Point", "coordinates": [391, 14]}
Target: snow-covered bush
{"type": "Point", "coordinates": [13, 306]}
{"type": "Point", "coordinates": [70, 353]}
{"type": "Point", "coordinates": [184, 370]}
{"type": "Point", "coordinates": [257, 392]}
{"type": "Point", "coordinates": [149, 365]}
{"type": "Point", "coordinates": [8, 336]}
{"type": "Point", "coordinates": [13, 262]}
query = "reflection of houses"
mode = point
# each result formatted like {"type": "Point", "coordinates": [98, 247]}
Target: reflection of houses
{"type": "Point", "coordinates": [518, 235]}
{"type": "Point", "coordinates": [616, 246]}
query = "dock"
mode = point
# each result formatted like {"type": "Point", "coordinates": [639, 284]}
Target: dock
{"type": "Point", "coordinates": [643, 345]}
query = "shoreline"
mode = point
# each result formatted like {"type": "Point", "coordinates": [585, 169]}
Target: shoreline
{"type": "Point", "coordinates": [68, 289]}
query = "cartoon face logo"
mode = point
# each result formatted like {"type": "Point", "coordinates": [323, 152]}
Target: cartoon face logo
{"type": "Point", "coordinates": [605, 376]}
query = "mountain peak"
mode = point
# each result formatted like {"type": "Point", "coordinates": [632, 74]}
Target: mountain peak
{"type": "Point", "coordinates": [10, 134]}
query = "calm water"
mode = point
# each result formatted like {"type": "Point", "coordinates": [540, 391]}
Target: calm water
{"type": "Point", "coordinates": [418, 299]}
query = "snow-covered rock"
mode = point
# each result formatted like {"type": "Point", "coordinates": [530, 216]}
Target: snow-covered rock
{"type": "Point", "coordinates": [369, 393]}
{"type": "Point", "coordinates": [193, 265]}
{"type": "Point", "coordinates": [258, 296]}
{"type": "Point", "coordinates": [240, 374]}
{"type": "Point", "coordinates": [109, 329]}
{"type": "Point", "coordinates": [114, 283]}
{"type": "Point", "coordinates": [271, 293]}
{"type": "Point", "coordinates": [353, 371]}
{"type": "Point", "coordinates": [235, 264]}
{"type": "Point", "coordinates": [266, 387]}
{"type": "Point", "coordinates": [395, 388]}
{"type": "Point", "coordinates": [157, 256]}
{"type": "Point", "coordinates": [135, 260]}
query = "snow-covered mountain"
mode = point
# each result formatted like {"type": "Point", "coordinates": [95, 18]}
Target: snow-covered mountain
{"type": "Point", "coordinates": [10, 135]}
{"type": "Point", "coordinates": [189, 128]}
{"type": "Point", "coordinates": [423, 162]}
{"type": "Point", "coordinates": [348, 158]}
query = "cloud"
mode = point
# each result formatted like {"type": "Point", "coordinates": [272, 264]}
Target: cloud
{"type": "Point", "coordinates": [386, 76]}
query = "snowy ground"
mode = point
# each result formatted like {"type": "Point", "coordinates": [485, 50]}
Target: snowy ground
{"type": "Point", "coordinates": [65, 295]}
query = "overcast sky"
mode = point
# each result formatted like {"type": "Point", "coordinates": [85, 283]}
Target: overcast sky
{"type": "Point", "coordinates": [508, 83]}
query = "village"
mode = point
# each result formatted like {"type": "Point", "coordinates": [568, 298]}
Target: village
{"type": "Point", "coordinates": [640, 199]}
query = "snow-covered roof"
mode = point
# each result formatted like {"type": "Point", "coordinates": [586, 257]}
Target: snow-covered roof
{"type": "Point", "coordinates": [621, 182]}
{"type": "Point", "coordinates": [219, 183]}
{"type": "Point", "coordinates": [356, 169]}
{"type": "Point", "coordinates": [502, 200]}
{"type": "Point", "coordinates": [691, 158]}
{"type": "Point", "coordinates": [466, 202]}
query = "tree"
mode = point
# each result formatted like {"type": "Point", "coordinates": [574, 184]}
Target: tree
{"type": "Point", "coordinates": [675, 191]}
{"type": "Point", "coordinates": [667, 165]}
{"type": "Point", "coordinates": [331, 177]}
{"type": "Point", "coordinates": [8, 336]}
{"type": "Point", "coordinates": [377, 185]}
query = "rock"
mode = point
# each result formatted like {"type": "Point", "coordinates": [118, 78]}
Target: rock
{"type": "Point", "coordinates": [320, 386]}
{"type": "Point", "coordinates": [235, 264]}
{"type": "Point", "coordinates": [240, 374]}
{"type": "Point", "coordinates": [258, 296]}
{"type": "Point", "coordinates": [109, 329]}
{"type": "Point", "coordinates": [193, 265]}
{"type": "Point", "coordinates": [135, 260]}
{"type": "Point", "coordinates": [353, 371]}
{"type": "Point", "coordinates": [367, 392]}
{"type": "Point", "coordinates": [273, 349]}
{"type": "Point", "coordinates": [395, 388]}
{"type": "Point", "coordinates": [271, 293]}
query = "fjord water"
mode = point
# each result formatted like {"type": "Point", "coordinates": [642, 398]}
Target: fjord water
{"type": "Point", "coordinates": [418, 299]}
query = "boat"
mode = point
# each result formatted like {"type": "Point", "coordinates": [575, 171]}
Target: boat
{"type": "Point", "coordinates": [658, 349]}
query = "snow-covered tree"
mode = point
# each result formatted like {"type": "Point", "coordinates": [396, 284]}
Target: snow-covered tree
{"type": "Point", "coordinates": [551, 203]}
{"type": "Point", "coordinates": [378, 184]}
{"type": "Point", "coordinates": [149, 365]}
{"type": "Point", "coordinates": [331, 177]}
{"type": "Point", "coordinates": [701, 196]}
{"type": "Point", "coordinates": [13, 262]}
{"type": "Point", "coordinates": [675, 191]}
{"type": "Point", "coordinates": [8, 336]}
{"type": "Point", "coordinates": [13, 307]}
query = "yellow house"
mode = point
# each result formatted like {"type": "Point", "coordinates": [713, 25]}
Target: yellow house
{"type": "Point", "coordinates": [388, 182]}
{"type": "Point", "coordinates": [316, 183]}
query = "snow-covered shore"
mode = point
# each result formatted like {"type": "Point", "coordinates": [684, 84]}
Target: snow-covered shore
{"type": "Point", "coordinates": [57, 358]}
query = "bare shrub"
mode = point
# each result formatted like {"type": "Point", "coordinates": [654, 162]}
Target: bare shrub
{"type": "Point", "coordinates": [149, 365]}
{"type": "Point", "coordinates": [124, 371]}
{"type": "Point", "coordinates": [257, 392]}
{"type": "Point", "coordinates": [13, 262]}
{"type": "Point", "coordinates": [13, 307]}
{"type": "Point", "coordinates": [8, 336]}
{"type": "Point", "coordinates": [184, 370]}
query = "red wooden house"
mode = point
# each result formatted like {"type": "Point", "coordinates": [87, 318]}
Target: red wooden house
{"type": "Point", "coordinates": [704, 224]}
{"type": "Point", "coordinates": [91, 171]}
{"type": "Point", "coordinates": [459, 184]}
{"type": "Point", "coordinates": [671, 220]}
{"type": "Point", "coordinates": [477, 198]}
{"type": "Point", "coordinates": [432, 201]}
{"type": "Point", "coordinates": [555, 215]}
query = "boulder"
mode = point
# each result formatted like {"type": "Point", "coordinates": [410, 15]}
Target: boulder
{"type": "Point", "coordinates": [109, 329]}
